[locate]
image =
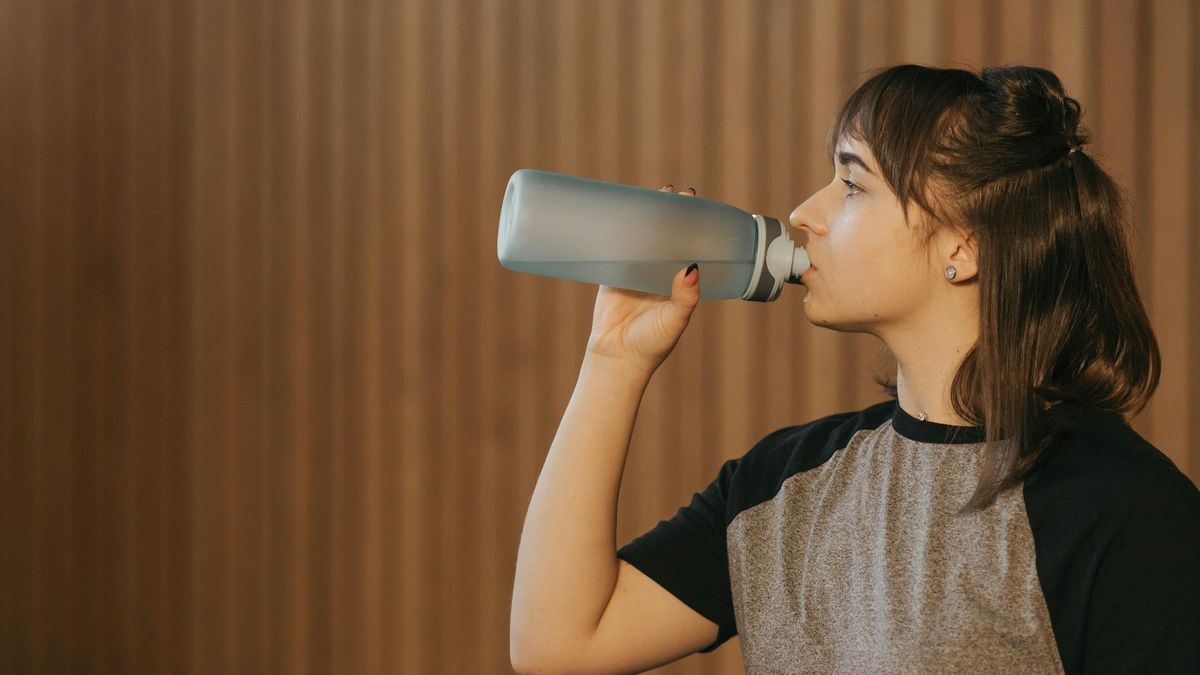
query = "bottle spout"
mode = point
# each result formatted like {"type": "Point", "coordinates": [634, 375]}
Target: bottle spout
{"type": "Point", "coordinates": [785, 259]}
{"type": "Point", "coordinates": [800, 263]}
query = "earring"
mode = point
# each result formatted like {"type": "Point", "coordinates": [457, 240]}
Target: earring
{"type": "Point", "coordinates": [951, 272]}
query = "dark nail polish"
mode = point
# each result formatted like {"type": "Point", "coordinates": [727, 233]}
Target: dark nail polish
{"type": "Point", "coordinates": [690, 268]}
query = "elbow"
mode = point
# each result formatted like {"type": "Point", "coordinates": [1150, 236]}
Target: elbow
{"type": "Point", "coordinates": [526, 661]}
{"type": "Point", "coordinates": [518, 667]}
{"type": "Point", "coordinates": [521, 658]}
{"type": "Point", "coordinates": [519, 661]}
{"type": "Point", "coordinates": [523, 666]}
{"type": "Point", "coordinates": [538, 650]}
{"type": "Point", "coordinates": [525, 669]}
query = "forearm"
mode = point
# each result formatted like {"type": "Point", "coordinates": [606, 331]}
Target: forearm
{"type": "Point", "coordinates": [566, 562]}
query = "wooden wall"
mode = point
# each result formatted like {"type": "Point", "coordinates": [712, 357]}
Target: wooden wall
{"type": "Point", "coordinates": [268, 402]}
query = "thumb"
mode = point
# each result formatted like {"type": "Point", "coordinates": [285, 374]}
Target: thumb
{"type": "Point", "coordinates": [685, 289]}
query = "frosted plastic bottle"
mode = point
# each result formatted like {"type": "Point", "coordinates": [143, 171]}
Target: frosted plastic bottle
{"type": "Point", "coordinates": [569, 227]}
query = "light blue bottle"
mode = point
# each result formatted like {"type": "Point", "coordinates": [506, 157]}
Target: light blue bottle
{"type": "Point", "coordinates": [569, 227]}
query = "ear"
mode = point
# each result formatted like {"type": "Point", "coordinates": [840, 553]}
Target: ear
{"type": "Point", "coordinates": [960, 249]}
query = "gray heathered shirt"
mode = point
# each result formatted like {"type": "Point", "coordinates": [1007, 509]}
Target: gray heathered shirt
{"type": "Point", "coordinates": [834, 547]}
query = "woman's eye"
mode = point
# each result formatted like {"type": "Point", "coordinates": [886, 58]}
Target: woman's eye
{"type": "Point", "coordinates": [854, 189]}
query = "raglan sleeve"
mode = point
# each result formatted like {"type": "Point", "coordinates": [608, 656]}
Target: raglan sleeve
{"type": "Point", "coordinates": [687, 554]}
{"type": "Point", "coordinates": [1144, 608]}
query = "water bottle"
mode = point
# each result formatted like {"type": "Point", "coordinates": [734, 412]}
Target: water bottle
{"type": "Point", "coordinates": [570, 227]}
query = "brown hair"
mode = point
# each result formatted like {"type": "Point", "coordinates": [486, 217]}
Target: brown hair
{"type": "Point", "coordinates": [1060, 315]}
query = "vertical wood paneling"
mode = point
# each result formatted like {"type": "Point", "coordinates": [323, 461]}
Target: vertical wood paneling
{"type": "Point", "coordinates": [924, 36]}
{"type": "Point", "coordinates": [1016, 31]}
{"type": "Point", "coordinates": [450, 245]}
{"type": "Point", "coordinates": [14, 648]}
{"type": "Point", "coordinates": [1173, 184]}
{"type": "Point", "coordinates": [413, 486]}
{"type": "Point", "coordinates": [1192, 443]}
{"type": "Point", "coordinates": [1068, 42]}
{"type": "Point", "coordinates": [270, 587]}
{"type": "Point", "coordinates": [9, 654]}
{"type": "Point", "coordinates": [340, 565]}
{"type": "Point", "coordinates": [33, 599]}
{"type": "Point", "coordinates": [298, 437]}
{"type": "Point", "coordinates": [371, 374]}
{"type": "Point", "coordinates": [493, 458]}
{"type": "Point", "coordinates": [203, 594]}
{"type": "Point", "coordinates": [270, 403]}
{"type": "Point", "coordinates": [966, 25]}
{"type": "Point", "coordinates": [1116, 111]}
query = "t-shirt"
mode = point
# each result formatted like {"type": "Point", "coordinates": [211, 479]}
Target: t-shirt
{"type": "Point", "coordinates": [835, 547]}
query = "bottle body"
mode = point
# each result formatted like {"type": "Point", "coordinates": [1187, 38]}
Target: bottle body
{"type": "Point", "coordinates": [723, 280]}
{"type": "Point", "coordinates": [570, 227]}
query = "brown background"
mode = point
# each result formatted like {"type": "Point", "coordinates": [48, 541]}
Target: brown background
{"type": "Point", "coordinates": [269, 402]}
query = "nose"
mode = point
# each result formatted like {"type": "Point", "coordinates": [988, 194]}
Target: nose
{"type": "Point", "coordinates": [807, 217]}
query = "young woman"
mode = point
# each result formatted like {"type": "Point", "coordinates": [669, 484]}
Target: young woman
{"type": "Point", "coordinates": [998, 514]}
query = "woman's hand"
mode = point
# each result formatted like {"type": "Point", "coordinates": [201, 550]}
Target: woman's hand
{"type": "Point", "coordinates": [637, 329]}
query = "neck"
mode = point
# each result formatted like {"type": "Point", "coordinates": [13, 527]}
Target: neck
{"type": "Point", "coordinates": [927, 360]}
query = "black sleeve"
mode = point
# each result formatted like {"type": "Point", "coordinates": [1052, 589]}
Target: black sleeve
{"type": "Point", "coordinates": [1144, 608]}
{"type": "Point", "coordinates": [687, 555]}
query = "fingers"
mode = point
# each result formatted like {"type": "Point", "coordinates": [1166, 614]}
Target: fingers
{"type": "Point", "coordinates": [689, 191]}
{"type": "Point", "coordinates": [685, 290]}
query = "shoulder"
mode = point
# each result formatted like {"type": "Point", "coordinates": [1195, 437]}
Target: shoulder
{"type": "Point", "coordinates": [758, 474]}
{"type": "Point", "coordinates": [1105, 479]}
{"type": "Point", "coordinates": [1105, 461]}
{"type": "Point", "coordinates": [1116, 527]}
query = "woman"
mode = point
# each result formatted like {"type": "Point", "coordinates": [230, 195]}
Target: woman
{"type": "Point", "coordinates": [997, 515]}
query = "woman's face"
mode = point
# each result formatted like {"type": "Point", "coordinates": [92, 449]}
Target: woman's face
{"type": "Point", "coordinates": [869, 268]}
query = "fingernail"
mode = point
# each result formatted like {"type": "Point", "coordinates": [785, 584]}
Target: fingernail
{"type": "Point", "coordinates": [692, 189]}
{"type": "Point", "coordinates": [668, 186]}
{"type": "Point", "coordinates": [688, 273]}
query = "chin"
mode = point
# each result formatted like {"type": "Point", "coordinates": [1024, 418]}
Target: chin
{"type": "Point", "coordinates": [815, 316]}
{"type": "Point", "coordinates": [841, 324]}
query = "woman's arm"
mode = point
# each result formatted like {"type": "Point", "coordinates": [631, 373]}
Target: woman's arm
{"type": "Point", "coordinates": [566, 562]}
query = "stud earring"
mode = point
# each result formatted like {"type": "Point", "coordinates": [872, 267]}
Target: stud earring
{"type": "Point", "coordinates": [951, 272]}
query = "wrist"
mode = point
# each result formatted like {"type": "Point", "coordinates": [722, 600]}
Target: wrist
{"type": "Point", "coordinates": [618, 367]}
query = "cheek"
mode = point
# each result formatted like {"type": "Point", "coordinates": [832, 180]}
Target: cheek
{"type": "Point", "coordinates": [873, 263]}
{"type": "Point", "coordinates": [856, 247]}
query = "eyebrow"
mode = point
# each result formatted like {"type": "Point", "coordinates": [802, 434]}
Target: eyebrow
{"type": "Point", "coordinates": [845, 157]}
